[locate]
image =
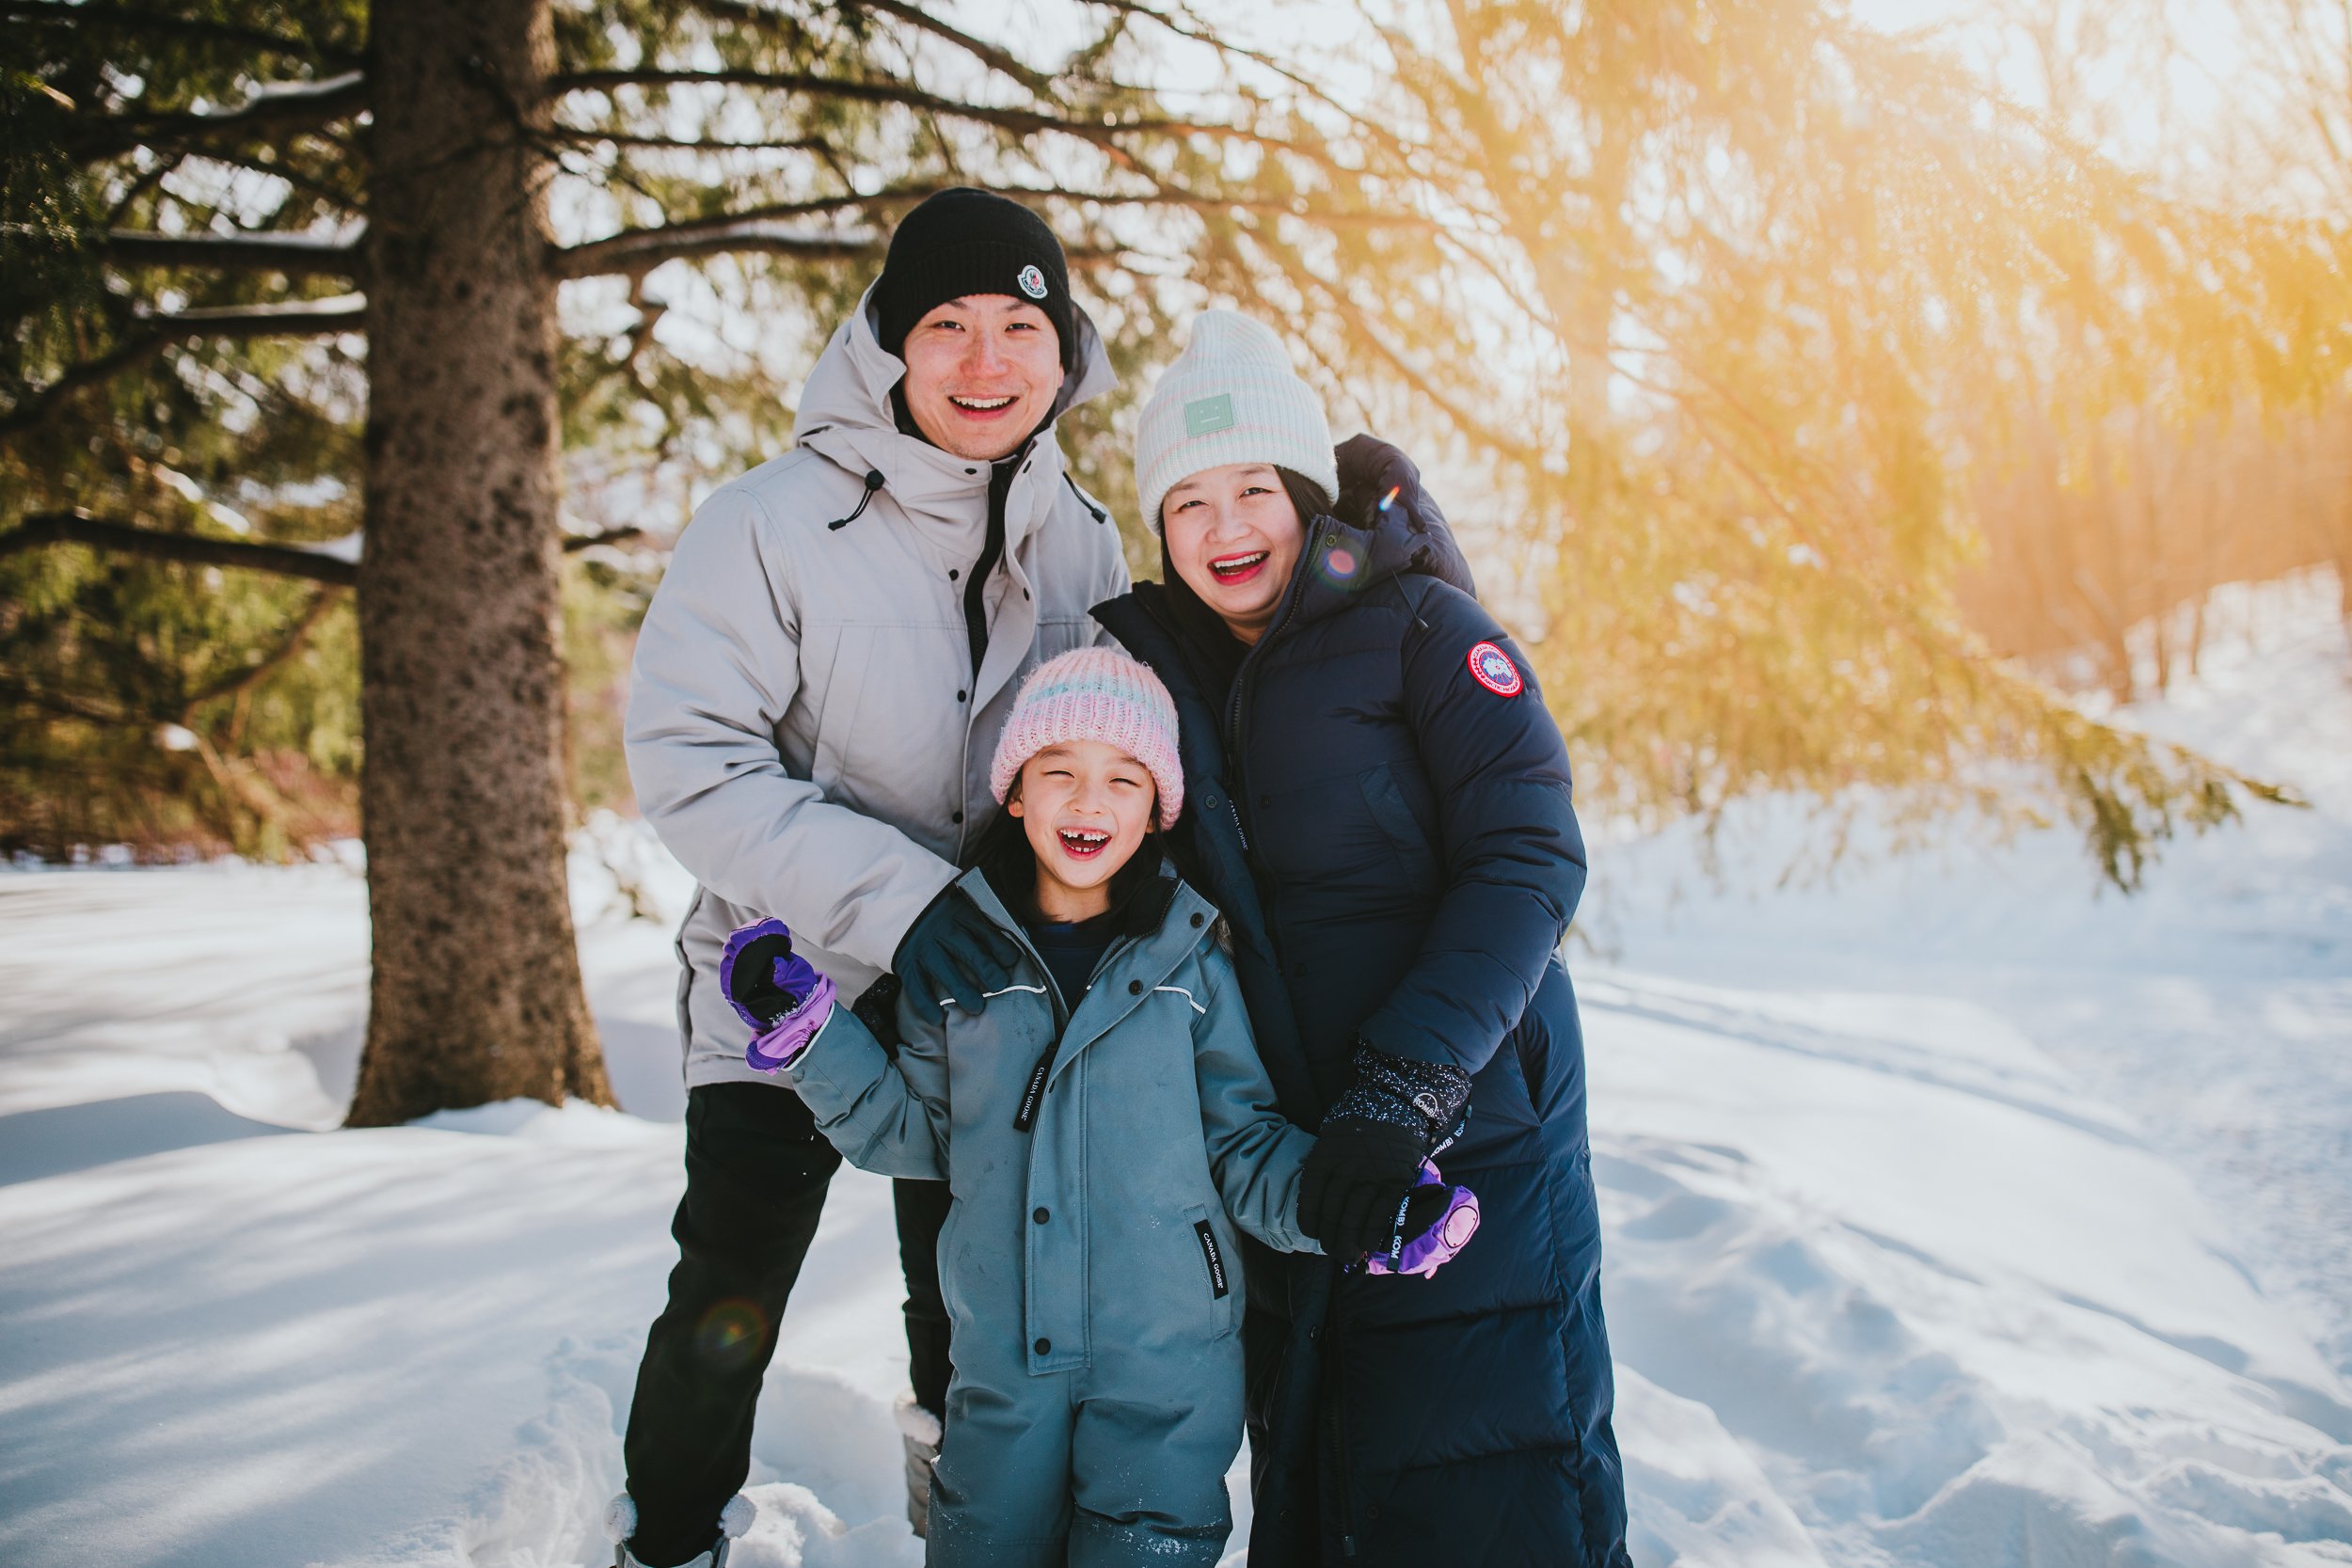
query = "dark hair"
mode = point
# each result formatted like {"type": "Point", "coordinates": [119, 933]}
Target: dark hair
{"type": "Point", "coordinates": [1213, 652]}
{"type": "Point", "coordinates": [1306, 498]}
{"type": "Point", "coordinates": [1306, 495]}
{"type": "Point", "coordinates": [1139, 894]}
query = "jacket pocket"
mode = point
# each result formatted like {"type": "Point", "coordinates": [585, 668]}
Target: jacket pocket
{"type": "Point", "coordinates": [1218, 1258]}
{"type": "Point", "coordinates": [845, 666]}
{"type": "Point", "coordinates": [944, 1259]}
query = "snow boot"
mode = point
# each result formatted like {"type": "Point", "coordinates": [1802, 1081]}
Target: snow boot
{"type": "Point", "coordinates": [919, 1429]}
{"type": "Point", "coordinates": [620, 1523]}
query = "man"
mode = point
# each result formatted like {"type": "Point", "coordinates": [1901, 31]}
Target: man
{"type": "Point", "coordinates": [817, 690]}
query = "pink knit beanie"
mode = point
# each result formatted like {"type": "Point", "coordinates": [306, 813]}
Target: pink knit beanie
{"type": "Point", "coordinates": [1095, 694]}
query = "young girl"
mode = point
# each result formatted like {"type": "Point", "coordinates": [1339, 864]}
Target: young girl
{"type": "Point", "coordinates": [1104, 1126]}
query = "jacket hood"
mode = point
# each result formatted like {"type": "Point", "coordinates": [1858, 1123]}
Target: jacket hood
{"type": "Point", "coordinates": [846, 414]}
{"type": "Point", "coordinates": [1160, 948]}
{"type": "Point", "coordinates": [1340, 561]}
{"type": "Point", "coordinates": [1144, 961]}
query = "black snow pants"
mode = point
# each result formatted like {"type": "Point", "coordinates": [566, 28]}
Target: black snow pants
{"type": "Point", "coordinates": [757, 1170]}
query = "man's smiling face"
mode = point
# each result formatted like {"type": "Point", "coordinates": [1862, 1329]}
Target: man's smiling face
{"type": "Point", "coordinates": [982, 373]}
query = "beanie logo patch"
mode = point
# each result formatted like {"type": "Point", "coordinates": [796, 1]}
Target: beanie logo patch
{"type": "Point", "coordinates": [1491, 668]}
{"type": "Point", "coordinates": [1206, 416]}
{"type": "Point", "coordinates": [1032, 281]}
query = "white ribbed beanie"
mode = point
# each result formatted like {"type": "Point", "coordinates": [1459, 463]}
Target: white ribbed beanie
{"type": "Point", "coordinates": [1229, 398]}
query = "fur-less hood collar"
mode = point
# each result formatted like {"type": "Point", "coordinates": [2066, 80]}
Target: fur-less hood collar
{"type": "Point", "coordinates": [846, 414]}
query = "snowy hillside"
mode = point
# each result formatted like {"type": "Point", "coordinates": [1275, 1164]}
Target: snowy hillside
{"type": "Point", "coordinates": [1959, 1218]}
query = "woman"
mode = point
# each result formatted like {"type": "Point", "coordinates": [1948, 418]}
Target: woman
{"type": "Point", "coordinates": [1382, 813]}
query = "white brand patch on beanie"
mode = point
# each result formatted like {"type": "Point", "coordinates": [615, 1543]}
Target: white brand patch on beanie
{"type": "Point", "coordinates": [1230, 397]}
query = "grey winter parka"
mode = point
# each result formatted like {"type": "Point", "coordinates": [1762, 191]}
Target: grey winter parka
{"type": "Point", "coordinates": [1099, 1158]}
{"type": "Point", "coordinates": [804, 731]}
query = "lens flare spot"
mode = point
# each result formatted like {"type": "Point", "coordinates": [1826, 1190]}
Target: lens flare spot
{"type": "Point", "coordinates": [1339, 567]}
{"type": "Point", "coordinates": [730, 1331]}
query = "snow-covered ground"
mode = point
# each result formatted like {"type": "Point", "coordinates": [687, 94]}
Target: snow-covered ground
{"type": "Point", "coordinates": [1958, 1217]}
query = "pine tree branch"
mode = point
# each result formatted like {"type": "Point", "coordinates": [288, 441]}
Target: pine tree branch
{"type": "Point", "coordinates": [66, 704]}
{"type": "Point", "coordinates": [1485, 431]}
{"type": "Point", "coordinates": [296, 255]}
{"type": "Point", "coordinates": [311, 561]}
{"type": "Point", "coordinates": [80, 528]}
{"type": "Point", "coordinates": [575, 543]}
{"type": "Point", "coordinates": [635, 251]}
{"type": "Point", "coordinates": [750, 12]}
{"type": "Point", "coordinates": [1163, 194]}
{"type": "Point", "coordinates": [888, 90]}
{"type": "Point", "coordinates": [351, 199]}
{"type": "Point", "coordinates": [151, 335]}
{"type": "Point", "coordinates": [132, 19]}
{"type": "Point", "coordinates": [681, 144]}
{"type": "Point", "coordinates": [275, 106]}
{"type": "Point", "coordinates": [998, 59]}
{"type": "Point", "coordinates": [238, 682]}
{"type": "Point", "coordinates": [1193, 30]}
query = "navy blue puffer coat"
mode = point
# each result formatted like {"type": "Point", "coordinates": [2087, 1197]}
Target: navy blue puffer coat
{"type": "Point", "coordinates": [1380, 806]}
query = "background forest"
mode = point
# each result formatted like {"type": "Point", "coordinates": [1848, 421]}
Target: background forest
{"type": "Point", "coordinates": [1827, 391]}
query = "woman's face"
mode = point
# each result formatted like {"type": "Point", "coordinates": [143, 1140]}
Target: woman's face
{"type": "Point", "coordinates": [1234, 536]}
{"type": "Point", "coordinates": [1086, 806]}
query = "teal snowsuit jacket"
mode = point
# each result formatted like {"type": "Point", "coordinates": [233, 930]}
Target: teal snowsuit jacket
{"type": "Point", "coordinates": [1087, 1262]}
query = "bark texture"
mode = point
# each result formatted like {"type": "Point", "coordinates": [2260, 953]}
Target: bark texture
{"type": "Point", "coordinates": [476, 989]}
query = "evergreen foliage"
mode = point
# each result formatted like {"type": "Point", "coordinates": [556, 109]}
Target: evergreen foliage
{"type": "Point", "coordinates": [1739, 314]}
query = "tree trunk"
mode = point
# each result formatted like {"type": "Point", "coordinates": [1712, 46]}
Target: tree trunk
{"type": "Point", "coordinates": [476, 991]}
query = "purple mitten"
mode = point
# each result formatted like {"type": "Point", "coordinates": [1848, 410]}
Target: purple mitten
{"type": "Point", "coordinates": [779, 993]}
{"type": "Point", "coordinates": [1425, 1253]}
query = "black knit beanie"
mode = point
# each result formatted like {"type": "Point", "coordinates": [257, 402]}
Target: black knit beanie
{"type": "Point", "coordinates": [964, 242]}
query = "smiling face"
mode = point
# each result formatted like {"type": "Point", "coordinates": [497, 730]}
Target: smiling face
{"type": "Point", "coordinates": [1084, 806]}
{"type": "Point", "coordinates": [1234, 536]}
{"type": "Point", "coordinates": [982, 373]}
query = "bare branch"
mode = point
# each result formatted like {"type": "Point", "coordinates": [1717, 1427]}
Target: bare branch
{"type": "Point", "coordinates": [151, 335]}
{"type": "Point", "coordinates": [296, 255]}
{"type": "Point", "coordinates": [80, 528]}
